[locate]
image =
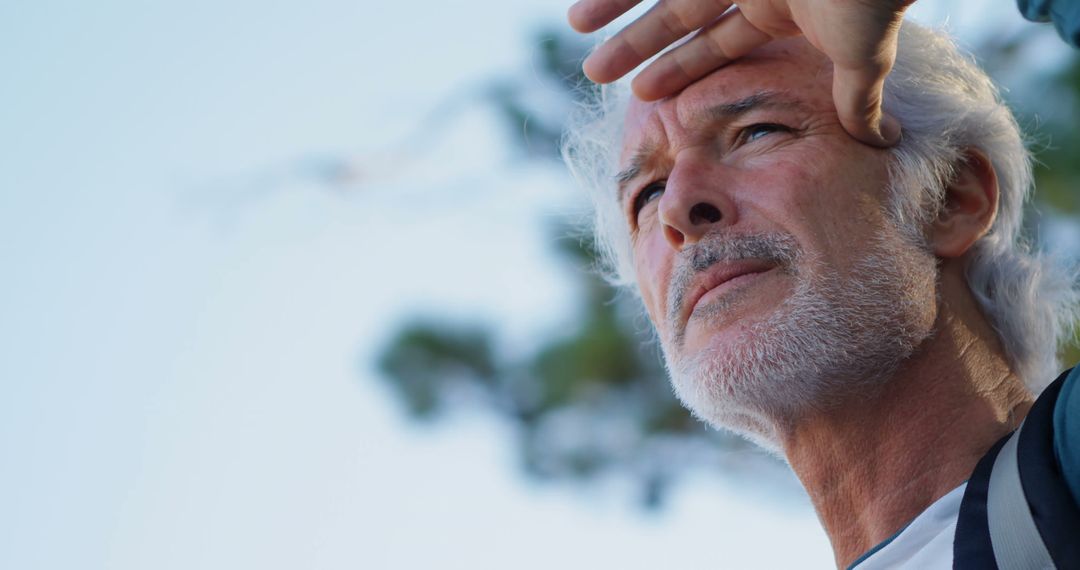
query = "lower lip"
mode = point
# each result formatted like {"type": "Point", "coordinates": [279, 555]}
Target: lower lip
{"type": "Point", "coordinates": [729, 285]}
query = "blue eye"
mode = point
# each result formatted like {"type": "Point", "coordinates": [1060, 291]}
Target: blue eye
{"type": "Point", "coordinates": [646, 195]}
{"type": "Point", "coordinates": [759, 130]}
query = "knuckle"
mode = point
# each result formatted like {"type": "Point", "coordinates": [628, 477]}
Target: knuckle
{"type": "Point", "coordinates": [671, 19]}
{"type": "Point", "coordinates": [714, 46]}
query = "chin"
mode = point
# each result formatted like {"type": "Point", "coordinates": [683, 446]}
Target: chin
{"type": "Point", "coordinates": [829, 340]}
{"type": "Point", "coordinates": [733, 318]}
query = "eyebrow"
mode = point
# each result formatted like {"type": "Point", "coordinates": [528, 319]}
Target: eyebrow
{"type": "Point", "coordinates": [722, 113]}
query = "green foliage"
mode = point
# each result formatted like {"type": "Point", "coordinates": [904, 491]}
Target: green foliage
{"type": "Point", "coordinates": [426, 357]}
{"type": "Point", "coordinates": [1058, 169]}
{"type": "Point", "coordinates": [592, 401]}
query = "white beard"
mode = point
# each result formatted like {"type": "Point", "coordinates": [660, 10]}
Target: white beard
{"type": "Point", "coordinates": [830, 340]}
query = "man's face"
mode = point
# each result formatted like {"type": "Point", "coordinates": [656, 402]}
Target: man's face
{"type": "Point", "coordinates": [763, 251]}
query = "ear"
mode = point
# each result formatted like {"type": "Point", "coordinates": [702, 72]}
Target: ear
{"type": "Point", "coordinates": [971, 202]}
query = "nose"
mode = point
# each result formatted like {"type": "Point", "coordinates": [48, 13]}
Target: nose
{"type": "Point", "coordinates": [694, 202]}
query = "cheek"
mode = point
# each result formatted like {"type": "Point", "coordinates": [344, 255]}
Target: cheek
{"type": "Point", "coordinates": [825, 204]}
{"type": "Point", "coordinates": [785, 193]}
{"type": "Point", "coordinates": [652, 261]}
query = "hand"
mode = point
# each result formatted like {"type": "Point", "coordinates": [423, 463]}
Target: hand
{"type": "Point", "coordinates": [859, 36]}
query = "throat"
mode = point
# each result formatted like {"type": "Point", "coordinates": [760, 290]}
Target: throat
{"type": "Point", "coordinates": [873, 465]}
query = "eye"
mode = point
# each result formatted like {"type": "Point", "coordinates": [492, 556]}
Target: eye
{"type": "Point", "coordinates": [647, 194]}
{"type": "Point", "coordinates": [759, 130]}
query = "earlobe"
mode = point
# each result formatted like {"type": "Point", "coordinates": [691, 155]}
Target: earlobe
{"type": "Point", "coordinates": [969, 208]}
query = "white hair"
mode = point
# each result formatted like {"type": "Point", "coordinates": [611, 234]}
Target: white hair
{"type": "Point", "coordinates": [948, 107]}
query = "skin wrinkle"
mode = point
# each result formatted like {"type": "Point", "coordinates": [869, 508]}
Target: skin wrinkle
{"type": "Point", "coordinates": [645, 157]}
{"type": "Point", "coordinates": [862, 523]}
{"type": "Point", "coordinates": [869, 351]}
{"type": "Point", "coordinates": [913, 485]}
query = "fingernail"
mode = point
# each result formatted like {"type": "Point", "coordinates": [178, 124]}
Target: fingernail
{"type": "Point", "coordinates": [890, 129]}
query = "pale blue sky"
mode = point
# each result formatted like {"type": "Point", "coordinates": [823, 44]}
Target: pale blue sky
{"type": "Point", "coordinates": [183, 310]}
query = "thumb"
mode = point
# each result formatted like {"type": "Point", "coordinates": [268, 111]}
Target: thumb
{"type": "Point", "coordinates": [857, 94]}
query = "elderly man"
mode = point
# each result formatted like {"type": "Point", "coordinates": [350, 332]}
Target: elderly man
{"type": "Point", "coordinates": [872, 314]}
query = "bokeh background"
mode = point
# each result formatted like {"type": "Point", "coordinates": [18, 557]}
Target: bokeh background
{"type": "Point", "coordinates": [301, 285]}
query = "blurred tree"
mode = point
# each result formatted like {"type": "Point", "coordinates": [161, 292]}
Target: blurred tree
{"type": "Point", "coordinates": [596, 400]}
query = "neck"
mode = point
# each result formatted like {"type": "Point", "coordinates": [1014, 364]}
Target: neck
{"type": "Point", "coordinates": [874, 463]}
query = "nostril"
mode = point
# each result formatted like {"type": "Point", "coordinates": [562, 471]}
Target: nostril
{"type": "Point", "coordinates": [674, 236]}
{"type": "Point", "coordinates": [703, 213]}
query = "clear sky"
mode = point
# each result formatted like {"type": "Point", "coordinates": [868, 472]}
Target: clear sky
{"type": "Point", "coordinates": [187, 311]}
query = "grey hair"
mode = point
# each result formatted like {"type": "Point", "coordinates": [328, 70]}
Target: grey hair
{"type": "Point", "coordinates": [948, 107]}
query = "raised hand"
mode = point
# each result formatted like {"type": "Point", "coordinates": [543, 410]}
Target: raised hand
{"type": "Point", "coordinates": [859, 36]}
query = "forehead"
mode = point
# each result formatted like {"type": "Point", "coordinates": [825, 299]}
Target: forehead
{"type": "Point", "coordinates": [792, 67]}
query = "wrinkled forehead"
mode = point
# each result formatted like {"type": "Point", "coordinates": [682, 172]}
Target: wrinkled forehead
{"type": "Point", "coordinates": [792, 67]}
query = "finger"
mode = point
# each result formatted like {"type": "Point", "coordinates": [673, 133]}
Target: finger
{"type": "Point", "coordinates": [588, 16]}
{"type": "Point", "coordinates": [665, 23]}
{"type": "Point", "coordinates": [727, 39]}
{"type": "Point", "coordinates": [857, 94]}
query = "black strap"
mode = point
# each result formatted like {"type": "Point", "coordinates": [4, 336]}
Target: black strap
{"type": "Point", "coordinates": [972, 549]}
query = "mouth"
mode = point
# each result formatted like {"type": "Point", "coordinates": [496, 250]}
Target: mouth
{"type": "Point", "coordinates": [723, 279]}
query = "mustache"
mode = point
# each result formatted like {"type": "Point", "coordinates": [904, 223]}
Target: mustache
{"type": "Point", "coordinates": [776, 248]}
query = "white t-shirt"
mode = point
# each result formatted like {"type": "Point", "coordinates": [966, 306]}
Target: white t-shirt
{"type": "Point", "coordinates": [925, 544]}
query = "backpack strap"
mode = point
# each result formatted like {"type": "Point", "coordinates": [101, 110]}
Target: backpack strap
{"type": "Point", "coordinates": [1030, 477]}
{"type": "Point", "coordinates": [1014, 537]}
